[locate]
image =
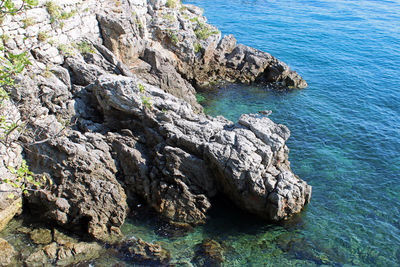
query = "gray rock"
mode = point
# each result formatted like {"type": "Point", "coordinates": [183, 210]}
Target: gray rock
{"type": "Point", "coordinates": [87, 196]}
{"type": "Point", "coordinates": [246, 161]}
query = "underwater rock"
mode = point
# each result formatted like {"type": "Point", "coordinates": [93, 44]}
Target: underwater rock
{"type": "Point", "coordinates": [209, 253]}
{"type": "Point", "coordinates": [63, 255]}
{"type": "Point", "coordinates": [7, 253]}
{"type": "Point", "coordinates": [41, 236]}
{"type": "Point", "coordinates": [140, 252]}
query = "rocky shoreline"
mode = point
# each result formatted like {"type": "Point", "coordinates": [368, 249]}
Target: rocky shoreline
{"type": "Point", "coordinates": [110, 116]}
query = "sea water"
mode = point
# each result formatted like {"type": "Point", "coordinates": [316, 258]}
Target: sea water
{"type": "Point", "coordinates": [345, 127]}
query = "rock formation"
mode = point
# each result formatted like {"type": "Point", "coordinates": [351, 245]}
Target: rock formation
{"type": "Point", "coordinates": [114, 117]}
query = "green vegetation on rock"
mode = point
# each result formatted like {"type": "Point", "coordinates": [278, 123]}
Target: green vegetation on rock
{"type": "Point", "coordinates": [203, 31]}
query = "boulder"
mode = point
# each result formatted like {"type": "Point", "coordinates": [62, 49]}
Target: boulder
{"type": "Point", "coordinates": [246, 161]}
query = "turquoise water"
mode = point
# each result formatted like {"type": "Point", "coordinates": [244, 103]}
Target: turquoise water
{"type": "Point", "coordinates": [345, 127]}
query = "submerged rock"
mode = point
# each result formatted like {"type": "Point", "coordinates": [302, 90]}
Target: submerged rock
{"type": "Point", "coordinates": [7, 253]}
{"type": "Point", "coordinates": [62, 255]}
{"type": "Point", "coordinates": [209, 253]}
{"type": "Point", "coordinates": [41, 236]}
{"type": "Point", "coordinates": [140, 252]}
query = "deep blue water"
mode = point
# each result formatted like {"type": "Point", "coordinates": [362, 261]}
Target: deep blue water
{"type": "Point", "coordinates": [345, 127]}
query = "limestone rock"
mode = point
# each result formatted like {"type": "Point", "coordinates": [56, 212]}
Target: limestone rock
{"type": "Point", "coordinates": [87, 196]}
{"type": "Point", "coordinates": [10, 156]}
{"type": "Point", "coordinates": [246, 161]}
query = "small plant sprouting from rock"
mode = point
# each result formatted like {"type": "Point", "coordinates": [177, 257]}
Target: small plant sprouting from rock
{"type": "Point", "coordinates": [203, 31]}
{"type": "Point", "coordinates": [24, 180]}
{"type": "Point", "coordinates": [85, 47]}
{"type": "Point", "coordinates": [197, 47]}
{"type": "Point", "coordinates": [47, 72]}
{"type": "Point", "coordinates": [182, 9]}
{"type": "Point", "coordinates": [195, 19]}
{"type": "Point", "coordinates": [169, 17]}
{"type": "Point", "coordinates": [28, 21]}
{"type": "Point", "coordinates": [66, 15]}
{"type": "Point", "coordinates": [173, 37]}
{"type": "Point", "coordinates": [54, 10]}
{"type": "Point", "coordinates": [171, 3]}
{"type": "Point", "coordinates": [146, 101]}
{"type": "Point", "coordinates": [141, 88]}
{"type": "Point", "coordinates": [138, 23]}
{"type": "Point", "coordinates": [42, 36]}
{"type": "Point", "coordinates": [66, 50]}
{"type": "Point", "coordinates": [57, 14]}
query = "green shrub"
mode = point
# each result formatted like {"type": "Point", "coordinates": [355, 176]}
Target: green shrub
{"type": "Point", "coordinates": [42, 36]}
{"type": "Point", "coordinates": [197, 47]}
{"type": "Point", "coordinates": [141, 87]}
{"type": "Point", "coordinates": [25, 180]}
{"type": "Point", "coordinates": [28, 22]}
{"type": "Point", "coordinates": [85, 47]}
{"type": "Point", "coordinates": [171, 3]}
{"type": "Point", "coordinates": [146, 101]}
{"type": "Point", "coordinates": [169, 17]}
{"type": "Point", "coordinates": [11, 65]}
{"type": "Point", "coordinates": [203, 31]}
{"type": "Point", "coordinates": [10, 7]}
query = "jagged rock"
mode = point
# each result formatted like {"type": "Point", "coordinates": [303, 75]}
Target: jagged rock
{"type": "Point", "coordinates": [140, 252]}
{"type": "Point", "coordinates": [246, 161]}
{"type": "Point", "coordinates": [87, 195]}
{"type": "Point", "coordinates": [7, 253]}
{"type": "Point", "coordinates": [209, 253]}
{"type": "Point", "coordinates": [10, 156]}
